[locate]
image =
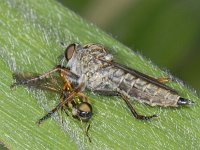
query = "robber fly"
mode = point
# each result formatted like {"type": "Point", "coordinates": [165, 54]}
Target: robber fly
{"type": "Point", "coordinates": [101, 74]}
{"type": "Point", "coordinates": [91, 67]}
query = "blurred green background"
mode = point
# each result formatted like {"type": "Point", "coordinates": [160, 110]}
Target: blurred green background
{"type": "Point", "coordinates": [165, 31]}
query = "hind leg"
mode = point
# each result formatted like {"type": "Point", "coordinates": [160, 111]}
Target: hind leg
{"type": "Point", "coordinates": [108, 92]}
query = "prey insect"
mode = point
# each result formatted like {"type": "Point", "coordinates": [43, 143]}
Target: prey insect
{"type": "Point", "coordinates": [91, 67]}
{"type": "Point", "coordinates": [71, 98]}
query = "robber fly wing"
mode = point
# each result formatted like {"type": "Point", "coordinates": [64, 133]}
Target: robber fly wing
{"type": "Point", "coordinates": [52, 83]}
{"type": "Point", "coordinates": [143, 76]}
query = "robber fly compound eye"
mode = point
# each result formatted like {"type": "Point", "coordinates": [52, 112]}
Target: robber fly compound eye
{"type": "Point", "coordinates": [70, 51]}
{"type": "Point", "coordinates": [84, 111]}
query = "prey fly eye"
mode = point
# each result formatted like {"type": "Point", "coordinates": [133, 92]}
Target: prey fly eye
{"type": "Point", "coordinates": [84, 111]}
{"type": "Point", "coordinates": [70, 51]}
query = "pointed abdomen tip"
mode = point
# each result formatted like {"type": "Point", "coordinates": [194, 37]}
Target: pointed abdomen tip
{"type": "Point", "coordinates": [183, 101]}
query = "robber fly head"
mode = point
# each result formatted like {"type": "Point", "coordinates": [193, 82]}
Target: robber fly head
{"type": "Point", "coordinates": [78, 57]}
{"type": "Point", "coordinates": [83, 111]}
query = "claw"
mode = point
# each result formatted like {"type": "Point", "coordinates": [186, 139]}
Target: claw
{"type": "Point", "coordinates": [183, 101]}
{"type": "Point", "coordinates": [140, 117]}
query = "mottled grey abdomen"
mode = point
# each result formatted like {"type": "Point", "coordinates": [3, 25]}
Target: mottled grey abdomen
{"type": "Point", "coordinates": [142, 90]}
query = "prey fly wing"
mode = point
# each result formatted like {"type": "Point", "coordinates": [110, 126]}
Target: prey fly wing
{"type": "Point", "coordinates": [52, 83]}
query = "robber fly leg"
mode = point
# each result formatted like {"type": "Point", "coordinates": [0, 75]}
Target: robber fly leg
{"type": "Point", "coordinates": [164, 79]}
{"type": "Point", "coordinates": [133, 111]}
{"type": "Point", "coordinates": [106, 92]}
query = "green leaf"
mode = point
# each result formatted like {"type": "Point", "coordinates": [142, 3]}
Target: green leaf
{"type": "Point", "coordinates": [31, 32]}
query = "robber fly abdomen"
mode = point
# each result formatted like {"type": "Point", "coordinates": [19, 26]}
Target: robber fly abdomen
{"type": "Point", "coordinates": [142, 90]}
